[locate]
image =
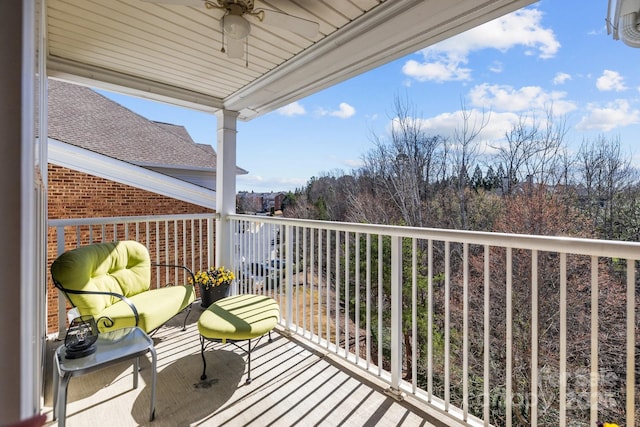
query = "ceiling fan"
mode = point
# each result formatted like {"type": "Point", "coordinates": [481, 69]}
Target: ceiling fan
{"type": "Point", "coordinates": [236, 28]}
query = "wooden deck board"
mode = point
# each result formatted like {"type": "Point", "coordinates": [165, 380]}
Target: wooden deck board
{"type": "Point", "coordinates": [293, 384]}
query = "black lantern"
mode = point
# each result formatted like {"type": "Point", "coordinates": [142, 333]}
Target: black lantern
{"type": "Point", "coordinates": [81, 337]}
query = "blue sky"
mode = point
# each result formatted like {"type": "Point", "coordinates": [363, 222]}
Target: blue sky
{"type": "Point", "coordinates": [555, 52]}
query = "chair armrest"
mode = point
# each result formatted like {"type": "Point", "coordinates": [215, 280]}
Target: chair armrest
{"type": "Point", "coordinates": [184, 267]}
{"type": "Point", "coordinates": [113, 294]}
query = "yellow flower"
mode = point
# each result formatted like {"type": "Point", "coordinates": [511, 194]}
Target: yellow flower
{"type": "Point", "coordinates": [214, 276]}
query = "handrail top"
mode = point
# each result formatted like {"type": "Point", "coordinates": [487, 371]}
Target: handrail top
{"type": "Point", "coordinates": [564, 244]}
{"type": "Point", "coordinates": [66, 222]}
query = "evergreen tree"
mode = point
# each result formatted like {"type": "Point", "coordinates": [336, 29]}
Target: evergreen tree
{"type": "Point", "coordinates": [490, 179]}
{"type": "Point", "coordinates": [477, 180]}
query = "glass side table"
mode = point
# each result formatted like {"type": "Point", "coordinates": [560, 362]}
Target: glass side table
{"type": "Point", "coordinates": [112, 347]}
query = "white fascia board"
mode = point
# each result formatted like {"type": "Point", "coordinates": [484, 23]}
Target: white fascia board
{"type": "Point", "coordinates": [388, 32]}
{"type": "Point", "coordinates": [81, 160]}
{"type": "Point", "coordinates": [96, 77]}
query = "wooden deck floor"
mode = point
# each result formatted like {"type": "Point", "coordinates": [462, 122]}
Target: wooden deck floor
{"type": "Point", "coordinates": [293, 384]}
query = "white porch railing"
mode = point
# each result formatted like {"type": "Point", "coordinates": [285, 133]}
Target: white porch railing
{"type": "Point", "coordinates": [171, 239]}
{"type": "Point", "coordinates": [487, 328]}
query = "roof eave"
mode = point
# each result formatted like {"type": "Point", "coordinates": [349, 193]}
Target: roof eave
{"type": "Point", "coordinates": [391, 31]}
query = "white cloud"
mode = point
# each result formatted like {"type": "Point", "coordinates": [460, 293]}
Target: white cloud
{"type": "Point", "coordinates": [444, 71]}
{"type": "Point", "coordinates": [610, 80]}
{"type": "Point", "coordinates": [445, 61]}
{"type": "Point", "coordinates": [344, 111]}
{"type": "Point", "coordinates": [293, 109]}
{"type": "Point", "coordinates": [446, 124]}
{"type": "Point", "coordinates": [615, 114]}
{"type": "Point", "coordinates": [496, 67]}
{"type": "Point", "coordinates": [527, 98]}
{"type": "Point", "coordinates": [353, 164]}
{"type": "Point", "coordinates": [266, 184]}
{"type": "Point", "coordinates": [561, 78]}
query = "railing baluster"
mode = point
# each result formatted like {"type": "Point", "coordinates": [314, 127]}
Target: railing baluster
{"type": "Point", "coordinates": [356, 313]}
{"type": "Point", "coordinates": [62, 302]}
{"type": "Point", "coordinates": [486, 376]}
{"type": "Point", "coordinates": [305, 251]}
{"type": "Point", "coordinates": [319, 285]}
{"type": "Point", "coordinates": [430, 320]}
{"type": "Point", "coordinates": [347, 277]}
{"type": "Point", "coordinates": [158, 270]}
{"type": "Point", "coordinates": [368, 301]}
{"type": "Point", "coordinates": [631, 345]}
{"type": "Point", "coordinates": [563, 340]}
{"type": "Point", "coordinates": [328, 285]}
{"type": "Point", "coordinates": [447, 325]}
{"type": "Point", "coordinates": [289, 280]}
{"type": "Point", "coordinates": [193, 242]}
{"type": "Point", "coordinates": [465, 331]}
{"type": "Point", "coordinates": [184, 250]}
{"type": "Point", "coordinates": [176, 251]}
{"type": "Point", "coordinates": [299, 233]}
{"type": "Point", "coordinates": [166, 250]}
{"type": "Point", "coordinates": [337, 302]}
{"type": "Point", "coordinates": [147, 234]}
{"type": "Point", "coordinates": [509, 339]}
{"type": "Point", "coordinates": [396, 315]}
{"type": "Point", "coordinates": [309, 303]}
{"type": "Point", "coordinates": [283, 239]}
{"type": "Point", "coordinates": [534, 338]}
{"type": "Point", "coordinates": [201, 245]}
{"type": "Point", "coordinates": [593, 396]}
{"type": "Point", "coordinates": [414, 315]}
{"type": "Point", "coordinates": [380, 300]}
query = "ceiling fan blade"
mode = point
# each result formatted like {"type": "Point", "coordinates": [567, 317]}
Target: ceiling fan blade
{"type": "Point", "coordinates": [235, 48]}
{"type": "Point", "coordinates": [194, 3]}
{"type": "Point", "coordinates": [291, 23]}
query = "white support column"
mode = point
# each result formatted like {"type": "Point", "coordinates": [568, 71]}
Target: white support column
{"type": "Point", "coordinates": [225, 184]}
{"type": "Point", "coordinates": [21, 379]}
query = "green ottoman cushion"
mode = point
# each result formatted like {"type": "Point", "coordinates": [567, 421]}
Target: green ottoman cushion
{"type": "Point", "coordinates": [239, 317]}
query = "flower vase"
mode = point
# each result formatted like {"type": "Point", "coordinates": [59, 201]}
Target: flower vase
{"type": "Point", "coordinates": [212, 294]}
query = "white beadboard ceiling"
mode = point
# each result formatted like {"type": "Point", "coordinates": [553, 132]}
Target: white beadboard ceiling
{"type": "Point", "coordinates": [172, 53]}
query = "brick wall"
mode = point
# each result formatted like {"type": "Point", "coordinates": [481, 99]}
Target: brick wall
{"type": "Point", "coordinates": [74, 194]}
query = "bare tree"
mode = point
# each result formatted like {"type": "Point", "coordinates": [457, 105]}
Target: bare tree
{"type": "Point", "coordinates": [533, 150]}
{"type": "Point", "coordinates": [606, 175]}
{"type": "Point", "coordinates": [465, 153]}
{"type": "Point", "coordinates": [404, 166]}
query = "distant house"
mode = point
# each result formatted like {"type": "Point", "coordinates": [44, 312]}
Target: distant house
{"type": "Point", "coordinates": [105, 160]}
{"type": "Point", "coordinates": [250, 202]}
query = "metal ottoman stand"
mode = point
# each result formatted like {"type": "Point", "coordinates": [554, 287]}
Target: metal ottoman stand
{"type": "Point", "coordinates": [237, 318]}
{"type": "Point", "coordinates": [112, 347]}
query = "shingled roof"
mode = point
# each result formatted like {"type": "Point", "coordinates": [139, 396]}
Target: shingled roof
{"type": "Point", "coordinates": [82, 117]}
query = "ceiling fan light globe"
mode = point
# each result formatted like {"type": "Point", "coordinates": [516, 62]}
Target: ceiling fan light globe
{"type": "Point", "coordinates": [236, 27]}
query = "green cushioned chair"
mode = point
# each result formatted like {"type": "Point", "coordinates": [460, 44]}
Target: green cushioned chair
{"type": "Point", "coordinates": [237, 318]}
{"type": "Point", "coordinates": [112, 282]}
